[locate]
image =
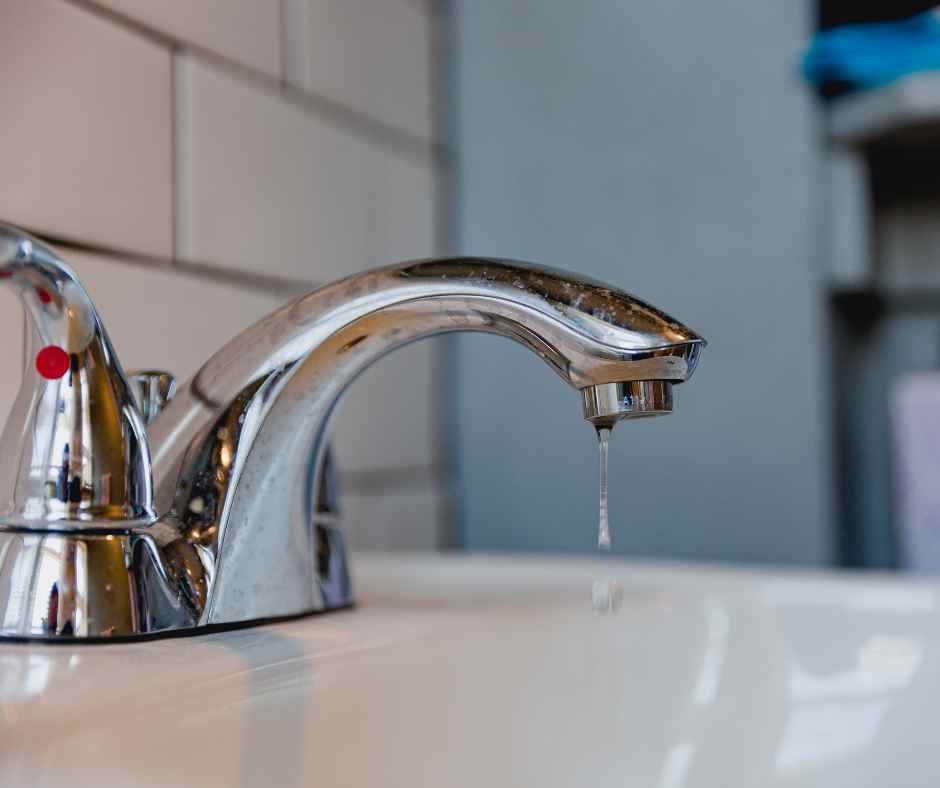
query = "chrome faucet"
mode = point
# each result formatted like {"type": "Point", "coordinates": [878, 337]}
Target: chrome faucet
{"type": "Point", "coordinates": [219, 510]}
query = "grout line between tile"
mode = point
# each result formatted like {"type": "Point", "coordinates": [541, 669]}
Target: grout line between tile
{"type": "Point", "coordinates": [373, 481]}
{"type": "Point", "coordinates": [182, 203]}
{"type": "Point", "coordinates": [293, 43]}
{"type": "Point", "coordinates": [175, 208]}
{"type": "Point", "coordinates": [282, 39]}
{"type": "Point", "coordinates": [153, 35]}
{"type": "Point", "coordinates": [272, 284]}
{"type": "Point", "coordinates": [446, 198]}
{"type": "Point", "coordinates": [369, 128]}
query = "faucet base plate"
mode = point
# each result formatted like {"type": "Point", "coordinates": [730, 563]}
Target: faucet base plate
{"type": "Point", "coordinates": [188, 632]}
{"type": "Point", "coordinates": [94, 587]}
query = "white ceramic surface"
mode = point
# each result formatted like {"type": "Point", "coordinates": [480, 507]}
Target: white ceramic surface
{"type": "Point", "coordinates": [487, 671]}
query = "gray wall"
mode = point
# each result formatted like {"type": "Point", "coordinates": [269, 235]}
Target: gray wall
{"type": "Point", "coordinates": [668, 148]}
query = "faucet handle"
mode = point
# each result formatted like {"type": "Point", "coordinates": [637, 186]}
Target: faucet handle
{"type": "Point", "coordinates": [74, 453]}
{"type": "Point", "coordinates": [153, 389]}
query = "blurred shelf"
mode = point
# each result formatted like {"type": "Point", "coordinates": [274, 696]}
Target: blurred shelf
{"type": "Point", "coordinates": [876, 298]}
{"type": "Point", "coordinates": [904, 113]}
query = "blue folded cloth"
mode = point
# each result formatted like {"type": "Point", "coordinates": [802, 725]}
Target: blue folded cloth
{"type": "Point", "coordinates": [868, 55]}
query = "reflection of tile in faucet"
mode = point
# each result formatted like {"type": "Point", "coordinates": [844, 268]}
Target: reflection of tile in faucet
{"type": "Point", "coordinates": [915, 418]}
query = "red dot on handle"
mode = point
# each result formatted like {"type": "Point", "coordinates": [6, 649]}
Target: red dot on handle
{"type": "Point", "coordinates": [43, 295]}
{"type": "Point", "coordinates": [52, 362]}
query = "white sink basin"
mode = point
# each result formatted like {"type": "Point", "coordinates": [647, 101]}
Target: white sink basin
{"type": "Point", "coordinates": [492, 672]}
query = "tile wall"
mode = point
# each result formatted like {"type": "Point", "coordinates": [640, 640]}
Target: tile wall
{"type": "Point", "coordinates": [201, 162]}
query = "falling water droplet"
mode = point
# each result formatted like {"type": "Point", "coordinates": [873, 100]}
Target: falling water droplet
{"type": "Point", "coordinates": [606, 596]}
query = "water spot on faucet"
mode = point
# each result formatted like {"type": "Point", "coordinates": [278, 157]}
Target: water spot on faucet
{"type": "Point", "coordinates": [352, 343]}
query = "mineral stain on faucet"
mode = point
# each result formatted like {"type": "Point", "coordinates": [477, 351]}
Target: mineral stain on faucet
{"type": "Point", "coordinates": [214, 506]}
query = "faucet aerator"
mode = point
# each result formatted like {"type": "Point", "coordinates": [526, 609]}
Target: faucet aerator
{"type": "Point", "coordinates": [607, 403]}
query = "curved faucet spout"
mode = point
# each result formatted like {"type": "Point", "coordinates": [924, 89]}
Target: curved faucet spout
{"type": "Point", "coordinates": [237, 454]}
{"type": "Point", "coordinates": [221, 510]}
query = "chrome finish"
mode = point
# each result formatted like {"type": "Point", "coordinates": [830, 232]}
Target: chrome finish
{"type": "Point", "coordinates": [74, 450]}
{"type": "Point", "coordinates": [608, 403]}
{"type": "Point", "coordinates": [153, 390]}
{"type": "Point", "coordinates": [242, 476]}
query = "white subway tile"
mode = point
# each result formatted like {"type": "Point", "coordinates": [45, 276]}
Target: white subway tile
{"type": "Point", "coordinates": [11, 349]}
{"type": "Point", "coordinates": [371, 55]}
{"type": "Point", "coordinates": [267, 186]}
{"type": "Point", "coordinates": [387, 416]}
{"type": "Point", "coordinates": [264, 185]}
{"type": "Point", "coordinates": [246, 31]}
{"type": "Point", "coordinates": [86, 145]}
{"type": "Point", "coordinates": [404, 222]}
{"type": "Point", "coordinates": [158, 318]}
{"type": "Point", "coordinates": [408, 519]}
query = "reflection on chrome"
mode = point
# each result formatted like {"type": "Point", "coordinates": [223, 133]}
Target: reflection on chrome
{"type": "Point", "coordinates": [222, 509]}
{"type": "Point", "coordinates": [75, 450]}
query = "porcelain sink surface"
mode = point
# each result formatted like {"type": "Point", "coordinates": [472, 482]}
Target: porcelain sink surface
{"type": "Point", "coordinates": [485, 671]}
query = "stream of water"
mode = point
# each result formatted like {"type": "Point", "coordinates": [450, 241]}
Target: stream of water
{"type": "Point", "coordinates": [605, 594]}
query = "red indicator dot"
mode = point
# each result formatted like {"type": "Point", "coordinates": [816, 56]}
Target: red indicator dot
{"type": "Point", "coordinates": [43, 295]}
{"type": "Point", "coordinates": [52, 362]}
